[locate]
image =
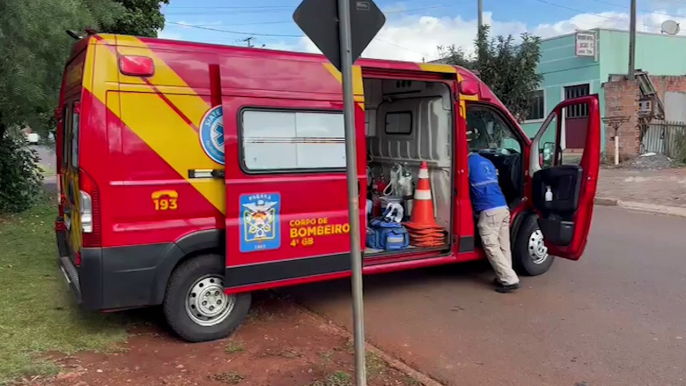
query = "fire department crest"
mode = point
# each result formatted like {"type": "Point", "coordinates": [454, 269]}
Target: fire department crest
{"type": "Point", "coordinates": [212, 134]}
{"type": "Point", "coordinates": [259, 222]}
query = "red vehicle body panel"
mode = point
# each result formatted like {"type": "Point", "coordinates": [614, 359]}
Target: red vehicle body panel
{"type": "Point", "coordinates": [139, 146]}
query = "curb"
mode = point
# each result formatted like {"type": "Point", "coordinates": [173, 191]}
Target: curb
{"type": "Point", "coordinates": [606, 201]}
{"type": "Point", "coordinates": [393, 361]}
{"type": "Point", "coordinates": [642, 206]}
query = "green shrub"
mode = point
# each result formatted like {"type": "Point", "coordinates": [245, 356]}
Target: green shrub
{"type": "Point", "coordinates": [679, 151]}
{"type": "Point", "coordinates": [21, 182]}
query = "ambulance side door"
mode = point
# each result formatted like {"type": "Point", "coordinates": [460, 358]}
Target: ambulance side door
{"type": "Point", "coordinates": [286, 196]}
{"type": "Point", "coordinates": [564, 179]}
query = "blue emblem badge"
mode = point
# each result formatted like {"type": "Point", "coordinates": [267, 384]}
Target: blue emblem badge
{"type": "Point", "coordinates": [260, 222]}
{"type": "Point", "coordinates": [212, 134]}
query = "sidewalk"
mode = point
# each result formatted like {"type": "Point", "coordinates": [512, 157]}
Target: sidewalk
{"type": "Point", "coordinates": [658, 191]}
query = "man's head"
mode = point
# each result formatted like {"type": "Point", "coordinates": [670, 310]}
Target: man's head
{"type": "Point", "coordinates": [472, 136]}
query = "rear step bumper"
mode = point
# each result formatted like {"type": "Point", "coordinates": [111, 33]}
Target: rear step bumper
{"type": "Point", "coordinates": [116, 278]}
{"type": "Point", "coordinates": [71, 276]}
{"type": "Point", "coordinates": [64, 263]}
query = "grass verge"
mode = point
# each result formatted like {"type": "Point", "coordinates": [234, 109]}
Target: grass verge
{"type": "Point", "coordinates": [38, 313]}
{"type": "Point", "coordinates": [46, 170]}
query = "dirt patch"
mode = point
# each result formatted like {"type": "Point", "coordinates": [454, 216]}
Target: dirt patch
{"type": "Point", "coordinates": [660, 187]}
{"type": "Point", "coordinates": [280, 344]}
{"type": "Point", "coordinates": [649, 161]}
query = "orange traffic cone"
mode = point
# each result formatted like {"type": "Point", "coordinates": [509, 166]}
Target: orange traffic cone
{"type": "Point", "coordinates": [422, 227]}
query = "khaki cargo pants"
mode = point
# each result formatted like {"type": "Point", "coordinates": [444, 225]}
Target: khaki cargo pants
{"type": "Point", "coordinates": [494, 229]}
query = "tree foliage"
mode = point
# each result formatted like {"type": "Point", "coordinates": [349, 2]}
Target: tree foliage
{"type": "Point", "coordinates": [139, 18]}
{"type": "Point", "coordinates": [506, 66]}
{"type": "Point", "coordinates": [34, 47]}
{"type": "Point", "coordinates": [20, 179]}
{"type": "Point", "coordinates": [33, 50]}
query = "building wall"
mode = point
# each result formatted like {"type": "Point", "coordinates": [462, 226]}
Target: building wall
{"type": "Point", "coordinates": [560, 67]}
{"type": "Point", "coordinates": [655, 54]}
{"type": "Point", "coordinates": [662, 56]}
{"type": "Point", "coordinates": [621, 99]}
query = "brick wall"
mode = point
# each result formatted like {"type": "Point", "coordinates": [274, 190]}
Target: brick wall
{"type": "Point", "coordinates": [621, 99]}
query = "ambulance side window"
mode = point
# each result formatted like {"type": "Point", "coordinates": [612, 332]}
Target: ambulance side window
{"type": "Point", "coordinates": [489, 131]}
{"type": "Point", "coordinates": [74, 137]}
{"type": "Point", "coordinates": [66, 122]}
{"type": "Point", "coordinates": [280, 140]}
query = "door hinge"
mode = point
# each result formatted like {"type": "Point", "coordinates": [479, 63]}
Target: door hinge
{"type": "Point", "coordinates": [456, 240]}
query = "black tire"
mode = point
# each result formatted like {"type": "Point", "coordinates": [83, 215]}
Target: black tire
{"type": "Point", "coordinates": [521, 257]}
{"type": "Point", "coordinates": [182, 279]}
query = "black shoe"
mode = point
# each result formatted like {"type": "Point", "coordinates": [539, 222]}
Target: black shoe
{"type": "Point", "coordinates": [503, 289]}
{"type": "Point", "coordinates": [497, 282]}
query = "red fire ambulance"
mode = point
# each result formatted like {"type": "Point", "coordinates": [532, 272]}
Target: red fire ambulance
{"type": "Point", "coordinates": [192, 174]}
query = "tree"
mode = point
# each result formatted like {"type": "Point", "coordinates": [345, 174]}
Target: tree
{"type": "Point", "coordinates": [139, 18]}
{"type": "Point", "coordinates": [508, 68]}
{"type": "Point", "coordinates": [33, 51]}
{"type": "Point", "coordinates": [34, 48]}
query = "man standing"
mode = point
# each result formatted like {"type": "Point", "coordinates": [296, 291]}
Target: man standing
{"type": "Point", "coordinates": [494, 221]}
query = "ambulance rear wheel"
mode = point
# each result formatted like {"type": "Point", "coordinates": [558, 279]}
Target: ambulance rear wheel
{"type": "Point", "coordinates": [530, 256]}
{"type": "Point", "coordinates": [195, 304]}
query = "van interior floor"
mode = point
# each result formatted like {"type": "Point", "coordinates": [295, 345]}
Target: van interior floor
{"type": "Point", "coordinates": [409, 125]}
{"type": "Point", "coordinates": [371, 252]}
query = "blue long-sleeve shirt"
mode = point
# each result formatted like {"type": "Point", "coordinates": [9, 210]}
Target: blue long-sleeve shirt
{"type": "Point", "coordinates": [483, 181]}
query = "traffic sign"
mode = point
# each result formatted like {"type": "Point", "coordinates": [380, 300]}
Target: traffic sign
{"type": "Point", "coordinates": [319, 20]}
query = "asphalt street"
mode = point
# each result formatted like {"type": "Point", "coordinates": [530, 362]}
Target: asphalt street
{"type": "Point", "coordinates": [617, 317]}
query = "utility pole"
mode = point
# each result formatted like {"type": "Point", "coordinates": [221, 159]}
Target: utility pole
{"type": "Point", "coordinates": [346, 46]}
{"type": "Point", "coordinates": [632, 41]}
{"type": "Point", "coordinates": [481, 13]}
{"type": "Point", "coordinates": [248, 41]}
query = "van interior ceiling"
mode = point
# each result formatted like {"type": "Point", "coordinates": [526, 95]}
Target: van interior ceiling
{"type": "Point", "coordinates": [409, 124]}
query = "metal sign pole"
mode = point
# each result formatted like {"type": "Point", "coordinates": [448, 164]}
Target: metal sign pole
{"type": "Point", "coordinates": [353, 194]}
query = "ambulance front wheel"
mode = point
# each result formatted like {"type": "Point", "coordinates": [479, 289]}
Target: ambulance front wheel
{"type": "Point", "coordinates": [530, 256]}
{"type": "Point", "coordinates": [195, 304]}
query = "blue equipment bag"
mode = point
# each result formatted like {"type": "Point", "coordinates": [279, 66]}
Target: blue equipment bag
{"type": "Point", "coordinates": [387, 235]}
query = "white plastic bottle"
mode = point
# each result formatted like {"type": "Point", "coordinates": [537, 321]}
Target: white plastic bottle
{"type": "Point", "coordinates": [548, 194]}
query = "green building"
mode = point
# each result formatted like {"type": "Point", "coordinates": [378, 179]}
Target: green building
{"type": "Point", "coordinates": [567, 73]}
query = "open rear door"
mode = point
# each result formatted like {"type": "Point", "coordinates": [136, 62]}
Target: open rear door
{"type": "Point", "coordinates": [564, 180]}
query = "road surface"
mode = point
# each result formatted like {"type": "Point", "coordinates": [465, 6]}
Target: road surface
{"type": "Point", "coordinates": [617, 317]}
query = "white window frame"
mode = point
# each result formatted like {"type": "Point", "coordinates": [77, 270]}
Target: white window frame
{"type": "Point", "coordinates": [337, 140]}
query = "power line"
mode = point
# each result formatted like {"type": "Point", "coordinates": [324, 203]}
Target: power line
{"type": "Point", "coordinates": [247, 10]}
{"type": "Point", "coordinates": [252, 7]}
{"type": "Point", "coordinates": [642, 10]}
{"type": "Point", "coordinates": [235, 32]}
{"type": "Point", "coordinates": [173, 7]}
{"type": "Point", "coordinates": [291, 21]}
{"type": "Point", "coordinates": [399, 46]}
{"type": "Point", "coordinates": [239, 24]}
{"type": "Point", "coordinates": [229, 12]}
{"type": "Point", "coordinates": [589, 13]}
{"type": "Point", "coordinates": [251, 34]}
